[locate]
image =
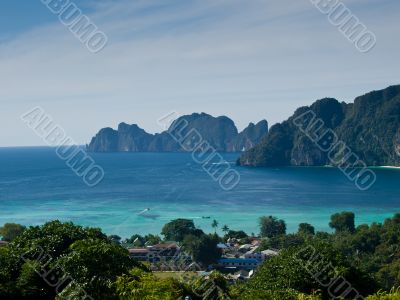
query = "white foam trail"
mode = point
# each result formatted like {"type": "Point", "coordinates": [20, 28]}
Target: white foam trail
{"type": "Point", "coordinates": [143, 211]}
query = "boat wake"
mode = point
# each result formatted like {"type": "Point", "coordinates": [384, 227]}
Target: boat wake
{"type": "Point", "coordinates": [144, 213]}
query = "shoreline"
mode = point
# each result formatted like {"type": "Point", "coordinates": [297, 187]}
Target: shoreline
{"type": "Point", "coordinates": [385, 167]}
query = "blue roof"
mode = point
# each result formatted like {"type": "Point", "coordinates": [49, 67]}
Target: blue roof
{"type": "Point", "coordinates": [238, 260]}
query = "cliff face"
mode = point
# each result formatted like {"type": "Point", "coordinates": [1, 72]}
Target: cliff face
{"type": "Point", "coordinates": [131, 138]}
{"type": "Point", "coordinates": [105, 141]}
{"type": "Point", "coordinates": [220, 132]}
{"type": "Point", "coordinates": [370, 128]}
{"type": "Point", "coordinates": [250, 136]}
{"type": "Point", "coordinates": [397, 143]}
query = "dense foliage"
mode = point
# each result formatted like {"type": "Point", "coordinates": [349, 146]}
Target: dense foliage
{"type": "Point", "coordinates": [62, 260]}
{"type": "Point", "coordinates": [310, 268]}
{"type": "Point", "coordinates": [382, 295]}
{"type": "Point", "coordinates": [235, 234]}
{"type": "Point", "coordinates": [203, 249]}
{"type": "Point", "coordinates": [137, 240]}
{"type": "Point", "coordinates": [139, 284]}
{"type": "Point", "coordinates": [368, 252]}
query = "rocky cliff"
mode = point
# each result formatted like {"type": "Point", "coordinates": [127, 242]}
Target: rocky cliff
{"type": "Point", "coordinates": [370, 127]}
{"type": "Point", "coordinates": [220, 132]}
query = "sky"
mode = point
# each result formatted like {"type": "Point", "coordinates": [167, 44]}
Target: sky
{"type": "Point", "coordinates": [246, 59]}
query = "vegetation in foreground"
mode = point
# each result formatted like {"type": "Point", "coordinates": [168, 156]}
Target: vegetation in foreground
{"type": "Point", "coordinates": [59, 260]}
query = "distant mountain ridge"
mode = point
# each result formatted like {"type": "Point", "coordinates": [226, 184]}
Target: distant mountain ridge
{"type": "Point", "coordinates": [370, 127]}
{"type": "Point", "coordinates": [220, 132]}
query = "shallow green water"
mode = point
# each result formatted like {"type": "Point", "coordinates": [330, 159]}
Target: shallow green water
{"type": "Point", "coordinates": [36, 186]}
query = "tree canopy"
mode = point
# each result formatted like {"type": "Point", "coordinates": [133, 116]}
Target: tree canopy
{"type": "Point", "coordinates": [62, 260]}
{"type": "Point", "coordinates": [343, 221]}
{"type": "Point", "coordinates": [203, 249]}
{"type": "Point", "coordinates": [270, 226]}
{"type": "Point", "coordinates": [176, 230]}
{"type": "Point", "coordinates": [44, 260]}
{"type": "Point", "coordinates": [10, 231]}
{"type": "Point", "coordinates": [305, 228]}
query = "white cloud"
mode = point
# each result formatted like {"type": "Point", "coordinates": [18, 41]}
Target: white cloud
{"type": "Point", "coordinates": [245, 59]}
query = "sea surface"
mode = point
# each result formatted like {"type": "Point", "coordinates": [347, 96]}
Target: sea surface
{"type": "Point", "coordinates": [36, 186]}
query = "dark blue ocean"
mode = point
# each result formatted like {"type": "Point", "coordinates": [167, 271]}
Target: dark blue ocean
{"type": "Point", "coordinates": [36, 186]}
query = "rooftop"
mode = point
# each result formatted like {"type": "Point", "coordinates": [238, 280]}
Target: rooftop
{"type": "Point", "coordinates": [238, 260]}
{"type": "Point", "coordinates": [138, 250]}
{"type": "Point", "coordinates": [165, 245]}
{"type": "Point", "coordinates": [270, 252]}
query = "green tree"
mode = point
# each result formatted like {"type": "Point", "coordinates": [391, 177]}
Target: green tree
{"type": "Point", "coordinates": [94, 265]}
{"type": "Point", "coordinates": [10, 231]}
{"type": "Point", "coordinates": [270, 226]}
{"type": "Point", "coordinates": [30, 285]}
{"type": "Point", "coordinates": [343, 221]}
{"type": "Point", "coordinates": [214, 225]}
{"type": "Point", "coordinates": [389, 274]}
{"type": "Point", "coordinates": [305, 228]}
{"type": "Point", "coordinates": [213, 287]}
{"type": "Point", "coordinates": [225, 229]}
{"type": "Point", "coordinates": [300, 270]}
{"type": "Point", "coordinates": [283, 241]}
{"type": "Point", "coordinates": [394, 294]}
{"type": "Point", "coordinates": [177, 229]}
{"type": "Point", "coordinates": [116, 239]}
{"type": "Point", "coordinates": [58, 250]}
{"type": "Point", "coordinates": [152, 239]}
{"type": "Point", "coordinates": [138, 284]}
{"type": "Point", "coordinates": [240, 234]}
{"type": "Point", "coordinates": [136, 240]}
{"type": "Point", "coordinates": [203, 249]}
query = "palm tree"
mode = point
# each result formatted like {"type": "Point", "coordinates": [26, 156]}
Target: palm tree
{"type": "Point", "coordinates": [214, 225]}
{"type": "Point", "coordinates": [225, 228]}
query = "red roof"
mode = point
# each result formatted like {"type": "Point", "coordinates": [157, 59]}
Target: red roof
{"type": "Point", "coordinates": [138, 250]}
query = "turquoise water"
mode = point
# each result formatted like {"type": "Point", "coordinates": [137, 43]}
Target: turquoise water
{"type": "Point", "coordinates": [36, 186]}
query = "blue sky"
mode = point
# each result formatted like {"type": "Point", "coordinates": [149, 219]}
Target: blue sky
{"type": "Point", "coordinates": [247, 59]}
{"type": "Point", "coordinates": [19, 16]}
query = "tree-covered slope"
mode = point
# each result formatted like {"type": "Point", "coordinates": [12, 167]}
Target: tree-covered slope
{"type": "Point", "coordinates": [370, 127]}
